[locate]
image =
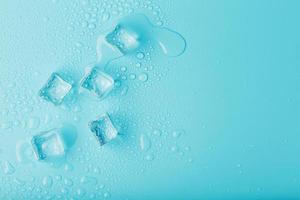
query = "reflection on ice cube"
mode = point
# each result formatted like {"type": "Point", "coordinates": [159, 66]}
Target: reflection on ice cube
{"type": "Point", "coordinates": [126, 40]}
{"type": "Point", "coordinates": [98, 82]}
{"type": "Point", "coordinates": [104, 129]}
{"type": "Point", "coordinates": [56, 89]}
{"type": "Point", "coordinates": [48, 144]}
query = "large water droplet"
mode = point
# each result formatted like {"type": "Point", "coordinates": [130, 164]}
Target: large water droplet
{"type": "Point", "coordinates": [172, 43]}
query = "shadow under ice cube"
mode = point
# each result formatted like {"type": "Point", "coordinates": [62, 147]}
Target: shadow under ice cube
{"type": "Point", "coordinates": [48, 144]}
{"type": "Point", "coordinates": [103, 129]}
{"type": "Point", "coordinates": [98, 82]}
{"type": "Point", "coordinates": [56, 89]}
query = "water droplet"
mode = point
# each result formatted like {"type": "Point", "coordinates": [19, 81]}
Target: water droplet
{"type": "Point", "coordinates": [33, 123]}
{"type": "Point", "coordinates": [124, 90]}
{"type": "Point", "coordinates": [68, 182]}
{"type": "Point", "coordinates": [105, 17]}
{"type": "Point", "coordinates": [143, 77]}
{"type": "Point", "coordinates": [140, 55]}
{"type": "Point", "coordinates": [123, 69]}
{"type": "Point", "coordinates": [68, 167]}
{"type": "Point", "coordinates": [19, 181]}
{"type": "Point", "coordinates": [132, 76]}
{"type": "Point", "coordinates": [88, 180]}
{"type": "Point", "coordinates": [159, 23]}
{"type": "Point", "coordinates": [177, 133]}
{"type": "Point", "coordinates": [157, 132]}
{"type": "Point", "coordinates": [145, 142]}
{"type": "Point", "coordinates": [106, 194]}
{"type": "Point", "coordinates": [47, 181]}
{"type": "Point", "coordinates": [80, 192]}
{"type": "Point", "coordinates": [174, 149]}
{"type": "Point", "coordinates": [138, 65]}
{"type": "Point", "coordinates": [64, 191]}
{"type": "Point", "coordinates": [58, 177]}
{"type": "Point", "coordinates": [187, 148]}
{"type": "Point", "coordinates": [149, 157]}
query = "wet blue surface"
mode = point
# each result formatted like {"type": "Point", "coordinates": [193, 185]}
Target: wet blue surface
{"type": "Point", "coordinates": [220, 121]}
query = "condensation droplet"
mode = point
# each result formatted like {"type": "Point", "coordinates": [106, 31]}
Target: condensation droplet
{"type": "Point", "coordinates": [140, 55]}
{"type": "Point", "coordinates": [177, 133]}
{"type": "Point", "coordinates": [33, 123]}
{"type": "Point", "coordinates": [145, 142]}
{"type": "Point", "coordinates": [157, 132]}
{"type": "Point", "coordinates": [47, 181]}
{"type": "Point", "coordinates": [149, 157]}
{"type": "Point", "coordinates": [143, 77]}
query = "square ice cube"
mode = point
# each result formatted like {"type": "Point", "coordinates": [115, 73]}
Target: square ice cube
{"type": "Point", "coordinates": [126, 40]}
{"type": "Point", "coordinates": [98, 82]}
{"type": "Point", "coordinates": [48, 144]}
{"type": "Point", "coordinates": [103, 129]}
{"type": "Point", "coordinates": [55, 90]}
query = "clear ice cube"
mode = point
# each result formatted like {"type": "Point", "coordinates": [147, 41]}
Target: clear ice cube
{"type": "Point", "coordinates": [104, 129]}
{"type": "Point", "coordinates": [98, 82]}
{"type": "Point", "coordinates": [126, 40]}
{"type": "Point", "coordinates": [55, 90]}
{"type": "Point", "coordinates": [48, 144]}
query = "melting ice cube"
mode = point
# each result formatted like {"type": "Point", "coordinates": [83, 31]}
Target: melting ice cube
{"type": "Point", "coordinates": [98, 82]}
{"type": "Point", "coordinates": [126, 40]}
{"type": "Point", "coordinates": [48, 144]}
{"type": "Point", "coordinates": [56, 89]}
{"type": "Point", "coordinates": [103, 129]}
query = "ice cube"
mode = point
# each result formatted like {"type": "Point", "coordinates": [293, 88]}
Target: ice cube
{"type": "Point", "coordinates": [98, 82]}
{"type": "Point", "coordinates": [103, 129]}
{"type": "Point", "coordinates": [56, 89]}
{"type": "Point", "coordinates": [126, 40]}
{"type": "Point", "coordinates": [48, 144]}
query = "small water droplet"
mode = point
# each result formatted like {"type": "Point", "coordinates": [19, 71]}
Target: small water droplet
{"type": "Point", "coordinates": [174, 149]}
{"type": "Point", "coordinates": [80, 192]}
{"type": "Point", "coordinates": [149, 157]}
{"type": "Point", "coordinates": [123, 69]}
{"type": "Point", "coordinates": [138, 65]}
{"type": "Point", "coordinates": [105, 17]}
{"type": "Point", "coordinates": [33, 123]}
{"type": "Point", "coordinates": [47, 181]}
{"type": "Point", "coordinates": [106, 194]}
{"type": "Point", "coordinates": [68, 182]}
{"type": "Point", "coordinates": [68, 167]}
{"type": "Point", "coordinates": [177, 133]}
{"type": "Point", "coordinates": [157, 132]}
{"type": "Point", "coordinates": [143, 77]}
{"type": "Point", "coordinates": [132, 76]}
{"type": "Point", "coordinates": [140, 55]}
{"type": "Point", "coordinates": [145, 142]}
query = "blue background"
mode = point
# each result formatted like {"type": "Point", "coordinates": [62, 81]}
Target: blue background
{"type": "Point", "coordinates": [233, 95]}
